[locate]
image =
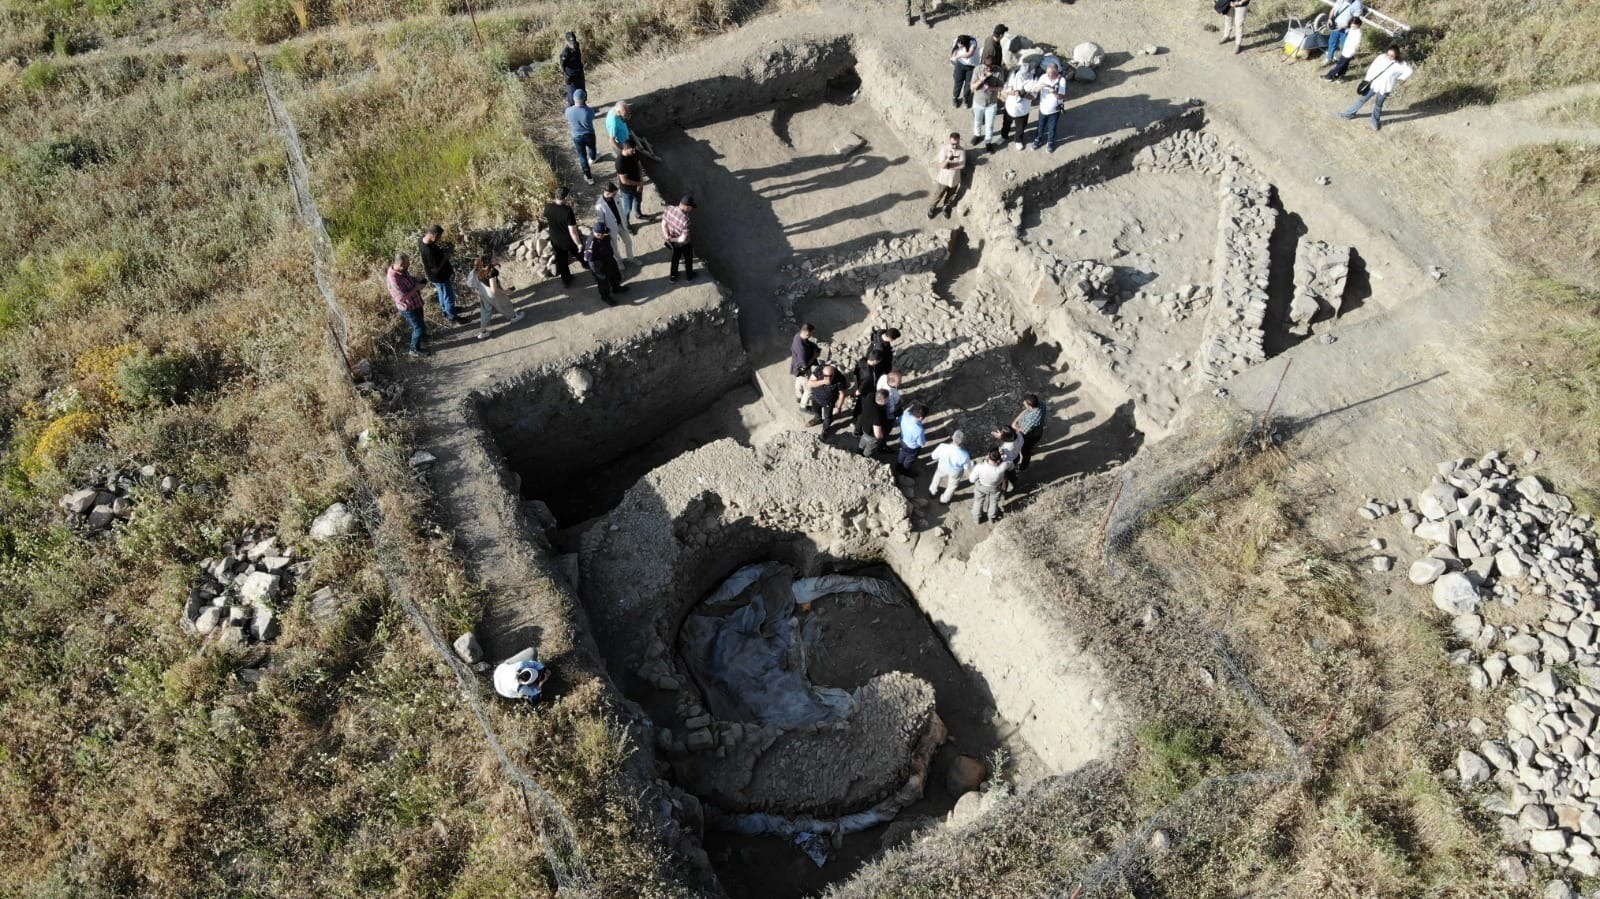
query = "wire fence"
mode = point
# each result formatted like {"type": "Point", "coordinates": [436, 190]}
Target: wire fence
{"type": "Point", "coordinates": [549, 822]}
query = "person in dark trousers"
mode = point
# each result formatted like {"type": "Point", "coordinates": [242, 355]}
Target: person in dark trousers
{"type": "Point", "coordinates": [872, 423]}
{"type": "Point", "coordinates": [1029, 425]}
{"type": "Point", "coordinates": [580, 122]}
{"type": "Point", "coordinates": [675, 230]}
{"type": "Point", "coordinates": [565, 239]}
{"type": "Point", "coordinates": [630, 171]}
{"type": "Point", "coordinates": [803, 353]}
{"type": "Point", "coordinates": [436, 265]}
{"type": "Point", "coordinates": [883, 341]}
{"type": "Point", "coordinates": [572, 65]}
{"type": "Point", "coordinates": [601, 257]}
{"type": "Point", "coordinates": [407, 296]}
{"type": "Point", "coordinates": [866, 383]}
{"type": "Point", "coordinates": [827, 394]}
{"type": "Point", "coordinates": [913, 437]}
{"type": "Point", "coordinates": [963, 59]}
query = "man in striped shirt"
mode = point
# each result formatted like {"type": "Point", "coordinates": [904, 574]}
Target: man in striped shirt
{"type": "Point", "coordinates": [407, 295]}
{"type": "Point", "coordinates": [1029, 425]}
{"type": "Point", "coordinates": [675, 230]}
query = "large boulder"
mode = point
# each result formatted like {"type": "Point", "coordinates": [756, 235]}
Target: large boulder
{"type": "Point", "coordinates": [336, 521]}
{"type": "Point", "coordinates": [1088, 53]}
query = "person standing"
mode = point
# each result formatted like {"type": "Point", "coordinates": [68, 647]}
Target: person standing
{"type": "Point", "coordinates": [572, 65]}
{"type": "Point", "coordinates": [912, 437]}
{"type": "Point", "coordinates": [601, 257]}
{"type": "Point", "coordinates": [952, 462]}
{"type": "Point", "coordinates": [441, 274]}
{"type": "Point", "coordinates": [947, 169]}
{"type": "Point", "coordinates": [407, 296]}
{"type": "Point", "coordinates": [580, 122]}
{"type": "Point", "coordinates": [608, 211]}
{"type": "Point", "coordinates": [1383, 76]}
{"type": "Point", "coordinates": [492, 295]}
{"type": "Point", "coordinates": [565, 239]}
{"type": "Point", "coordinates": [1344, 12]}
{"type": "Point", "coordinates": [1347, 51]}
{"type": "Point", "coordinates": [675, 230]}
{"type": "Point", "coordinates": [890, 383]}
{"type": "Point", "coordinates": [873, 423]}
{"type": "Point", "coordinates": [1052, 95]}
{"type": "Point", "coordinates": [1010, 447]}
{"type": "Point", "coordinates": [803, 352]}
{"type": "Point", "coordinates": [630, 171]}
{"type": "Point", "coordinates": [992, 49]}
{"type": "Point", "coordinates": [1018, 97]}
{"type": "Point", "coordinates": [866, 383]}
{"type": "Point", "coordinates": [617, 124]}
{"type": "Point", "coordinates": [1029, 425]}
{"type": "Point", "coordinates": [827, 394]}
{"type": "Point", "coordinates": [1233, 22]}
{"type": "Point", "coordinates": [963, 59]}
{"type": "Point", "coordinates": [883, 341]}
{"type": "Point", "coordinates": [911, 19]}
{"type": "Point", "coordinates": [988, 479]}
{"type": "Point", "coordinates": [986, 84]}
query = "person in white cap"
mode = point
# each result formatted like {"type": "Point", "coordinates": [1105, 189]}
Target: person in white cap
{"type": "Point", "coordinates": [521, 677]}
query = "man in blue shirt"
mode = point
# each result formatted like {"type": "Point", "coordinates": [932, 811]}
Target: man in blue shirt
{"type": "Point", "coordinates": [912, 436]}
{"type": "Point", "coordinates": [580, 121]}
{"type": "Point", "coordinates": [1344, 11]}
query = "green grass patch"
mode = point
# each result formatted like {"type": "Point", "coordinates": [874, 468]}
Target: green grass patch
{"type": "Point", "coordinates": [398, 189]}
{"type": "Point", "coordinates": [1174, 756]}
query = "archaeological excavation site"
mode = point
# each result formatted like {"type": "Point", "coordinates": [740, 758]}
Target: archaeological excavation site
{"type": "Point", "coordinates": [827, 671]}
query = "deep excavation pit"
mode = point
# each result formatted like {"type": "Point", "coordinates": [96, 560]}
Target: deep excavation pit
{"type": "Point", "coordinates": [829, 709]}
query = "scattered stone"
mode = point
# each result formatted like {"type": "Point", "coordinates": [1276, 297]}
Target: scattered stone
{"type": "Point", "coordinates": [1559, 889]}
{"type": "Point", "coordinates": [1455, 594]}
{"type": "Point", "coordinates": [336, 521]}
{"type": "Point", "coordinates": [1472, 768]}
{"type": "Point", "coordinates": [1382, 563]}
{"type": "Point", "coordinates": [1160, 841]}
{"type": "Point", "coordinates": [79, 502]}
{"type": "Point", "coordinates": [467, 648]}
{"type": "Point", "coordinates": [965, 775]}
{"type": "Point", "coordinates": [1324, 180]}
{"type": "Point", "coordinates": [848, 143]}
{"type": "Point", "coordinates": [1512, 869]}
{"type": "Point", "coordinates": [257, 587]}
{"type": "Point", "coordinates": [1548, 841]}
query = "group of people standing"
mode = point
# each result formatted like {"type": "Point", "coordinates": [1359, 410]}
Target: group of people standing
{"type": "Point", "coordinates": [980, 81]}
{"type": "Point", "coordinates": [881, 412]}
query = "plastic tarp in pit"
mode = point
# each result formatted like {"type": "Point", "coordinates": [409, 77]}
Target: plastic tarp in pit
{"type": "Point", "coordinates": [747, 649]}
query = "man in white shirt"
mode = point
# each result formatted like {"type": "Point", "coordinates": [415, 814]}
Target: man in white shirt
{"type": "Point", "coordinates": [988, 477]}
{"type": "Point", "coordinates": [521, 677]}
{"type": "Point", "coordinates": [1383, 76]}
{"type": "Point", "coordinates": [1017, 97]}
{"type": "Point", "coordinates": [608, 209]}
{"type": "Point", "coordinates": [1052, 89]}
{"type": "Point", "coordinates": [1344, 12]}
{"type": "Point", "coordinates": [891, 384]}
{"type": "Point", "coordinates": [953, 462]}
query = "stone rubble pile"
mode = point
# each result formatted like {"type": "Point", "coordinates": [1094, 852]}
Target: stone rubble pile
{"type": "Point", "coordinates": [1082, 281]}
{"type": "Point", "coordinates": [237, 596]}
{"type": "Point", "coordinates": [534, 249]}
{"type": "Point", "coordinates": [936, 335]}
{"type": "Point", "coordinates": [849, 274]}
{"type": "Point", "coordinates": [1233, 339]}
{"type": "Point", "coordinates": [109, 497]}
{"type": "Point", "coordinates": [1320, 275]}
{"type": "Point", "coordinates": [1186, 151]}
{"type": "Point", "coordinates": [1497, 535]}
{"type": "Point", "coordinates": [1179, 304]}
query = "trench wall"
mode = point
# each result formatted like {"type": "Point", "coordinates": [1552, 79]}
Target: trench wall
{"type": "Point", "coordinates": [706, 86]}
{"type": "Point", "coordinates": [580, 413]}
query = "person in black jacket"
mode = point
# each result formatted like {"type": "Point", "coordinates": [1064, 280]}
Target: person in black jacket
{"type": "Point", "coordinates": [866, 383]}
{"type": "Point", "coordinates": [572, 65]}
{"type": "Point", "coordinates": [436, 265]}
{"type": "Point", "coordinates": [883, 340]}
{"type": "Point", "coordinates": [601, 257]}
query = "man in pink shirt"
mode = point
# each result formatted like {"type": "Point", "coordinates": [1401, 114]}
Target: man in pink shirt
{"type": "Point", "coordinates": [407, 295]}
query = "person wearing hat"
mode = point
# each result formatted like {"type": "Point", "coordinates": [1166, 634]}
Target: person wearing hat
{"type": "Point", "coordinates": [580, 121]}
{"type": "Point", "coordinates": [675, 231]}
{"type": "Point", "coordinates": [953, 463]}
{"type": "Point", "coordinates": [991, 46]}
{"type": "Point", "coordinates": [572, 65]}
{"type": "Point", "coordinates": [601, 257]}
{"type": "Point", "coordinates": [521, 677]}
